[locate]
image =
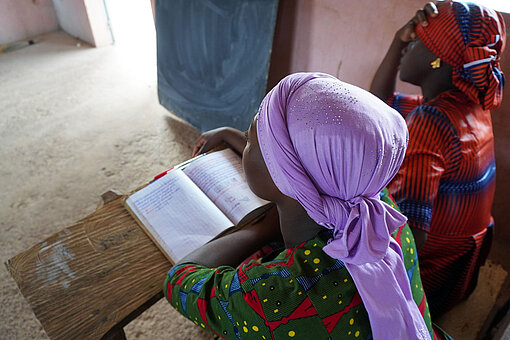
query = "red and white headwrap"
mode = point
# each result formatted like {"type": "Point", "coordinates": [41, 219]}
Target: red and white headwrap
{"type": "Point", "coordinates": [470, 38]}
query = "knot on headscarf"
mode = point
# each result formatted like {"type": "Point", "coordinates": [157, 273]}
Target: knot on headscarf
{"type": "Point", "coordinates": [470, 38]}
{"type": "Point", "coordinates": [366, 224]}
{"type": "Point", "coordinates": [333, 147]}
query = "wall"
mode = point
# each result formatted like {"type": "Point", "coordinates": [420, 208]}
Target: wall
{"type": "Point", "coordinates": [84, 19]}
{"type": "Point", "coordinates": [349, 39]}
{"type": "Point", "coordinates": [501, 126]}
{"type": "Point", "coordinates": [73, 19]}
{"type": "Point", "coordinates": [22, 19]}
{"type": "Point", "coordinates": [98, 22]}
{"type": "Point", "coordinates": [342, 38]}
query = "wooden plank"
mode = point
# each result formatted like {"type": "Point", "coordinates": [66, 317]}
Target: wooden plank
{"type": "Point", "coordinates": [83, 280]}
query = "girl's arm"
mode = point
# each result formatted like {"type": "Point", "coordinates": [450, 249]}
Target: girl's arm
{"type": "Point", "coordinates": [236, 139]}
{"type": "Point", "coordinates": [383, 83]}
{"type": "Point", "coordinates": [234, 248]}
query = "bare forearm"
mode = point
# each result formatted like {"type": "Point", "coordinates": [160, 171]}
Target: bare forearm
{"type": "Point", "coordinates": [229, 250]}
{"type": "Point", "coordinates": [383, 83]}
{"type": "Point", "coordinates": [236, 139]}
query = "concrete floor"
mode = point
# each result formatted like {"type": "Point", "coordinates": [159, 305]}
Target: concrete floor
{"type": "Point", "coordinates": [77, 121]}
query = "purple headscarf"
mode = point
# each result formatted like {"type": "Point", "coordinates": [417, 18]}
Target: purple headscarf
{"type": "Point", "coordinates": [333, 147]}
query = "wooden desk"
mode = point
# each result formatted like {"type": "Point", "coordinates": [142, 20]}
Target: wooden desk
{"type": "Point", "coordinates": [93, 277]}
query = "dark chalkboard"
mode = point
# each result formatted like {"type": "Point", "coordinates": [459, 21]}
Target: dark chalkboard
{"type": "Point", "coordinates": [213, 58]}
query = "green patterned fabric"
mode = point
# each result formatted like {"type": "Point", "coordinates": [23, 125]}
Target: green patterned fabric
{"type": "Point", "coordinates": [302, 293]}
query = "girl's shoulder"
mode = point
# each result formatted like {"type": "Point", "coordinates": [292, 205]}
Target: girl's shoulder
{"type": "Point", "coordinates": [453, 109]}
{"type": "Point", "coordinates": [404, 103]}
{"type": "Point", "coordinates": [452, 103]}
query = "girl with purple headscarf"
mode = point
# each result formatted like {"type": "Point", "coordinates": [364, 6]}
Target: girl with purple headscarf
{"type": "Point", "coordinates": [322, 151]}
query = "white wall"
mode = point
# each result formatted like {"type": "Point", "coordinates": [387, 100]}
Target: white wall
{"type": "Point", "coordinates": [73, 19]}
{"type": "Point", "coordinates": [84, 19]}
{"type": "Point", "coordinates": [21, 19]}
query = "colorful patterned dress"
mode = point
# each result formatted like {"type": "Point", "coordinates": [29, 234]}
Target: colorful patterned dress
{"type": "Point", "coordinates": [446, 187]}
{"type": "Point", "coordinates": [302, 293]}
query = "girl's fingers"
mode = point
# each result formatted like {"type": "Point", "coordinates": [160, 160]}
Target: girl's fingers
{"type": "Point", "coordinates": [408, 33]}
{"type": "Point", "coordinates": [421, 17]}
{"type": "Point", "coordinates": [198, 146]}
{"type": "Point", "coordinates": [430, 9]}
{"type": "Point", "coordinates": [411, 25]}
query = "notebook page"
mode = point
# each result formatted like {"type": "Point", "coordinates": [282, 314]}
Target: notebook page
{"type": "Point", "coordinates": [179, 216]}
{"type": "Point", "coordinates": [221, 177]}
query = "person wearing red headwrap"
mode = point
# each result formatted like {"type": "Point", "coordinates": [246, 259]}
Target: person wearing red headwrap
{"type": "Point", "coordinates": [446, 183]}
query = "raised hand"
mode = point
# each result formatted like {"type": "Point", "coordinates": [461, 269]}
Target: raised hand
{"type": "Point", "coordinates": [406, 33]}
{"type": "Point", "coordinates": [383, 83]}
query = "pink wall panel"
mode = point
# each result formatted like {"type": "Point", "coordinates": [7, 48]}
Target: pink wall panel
{"type": "Point", "coordinates": [98, 21]}
{"type": "Point", "coordinates": [346, 38]}
{"type": "Point", "coordinates": [22, 19]}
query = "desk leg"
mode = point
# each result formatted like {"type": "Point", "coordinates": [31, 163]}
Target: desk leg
{"type": "Point", "coordinates": [117, 332]}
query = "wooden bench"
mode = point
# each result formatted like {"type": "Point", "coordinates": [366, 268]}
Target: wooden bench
{"type": "Point", "coordinates": [92, 278]}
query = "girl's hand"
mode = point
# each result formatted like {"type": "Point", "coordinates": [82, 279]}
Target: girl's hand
{"type": "Point", "coordinates": [406, 33]}
{"type": "Point", "coordinates": [211, 139]}
{"type": "Point", "coordinates": [384, 81]}
{"type": "Point", "coordinates": [208, 140]}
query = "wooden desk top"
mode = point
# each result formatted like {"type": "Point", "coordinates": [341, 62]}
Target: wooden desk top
{"type": "Point", "coordinates": [83, 280]}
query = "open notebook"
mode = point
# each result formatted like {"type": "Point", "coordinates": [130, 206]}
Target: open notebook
{"type": "Point", "coordinates": [195, 202]}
